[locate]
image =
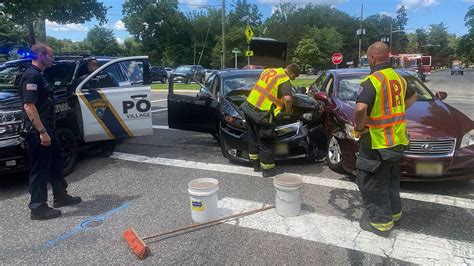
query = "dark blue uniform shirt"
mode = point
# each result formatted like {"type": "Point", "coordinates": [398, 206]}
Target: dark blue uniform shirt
{"type": "Point", "coordinates": [34, 88]}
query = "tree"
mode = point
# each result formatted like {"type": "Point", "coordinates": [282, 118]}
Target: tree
{"type": "Point", "coordinates": [164, 32]}
{"type": "Point", "coordinates": [400, 42]}
{"type": "Point", "coordinates": [307, 53]}
{"type": "Point", "coordinates": [29, 12]}
{"type": "Point", "coordinates": [437, 45]}
{"type": "Point", "coordinates": [102, 41]}
{"type": "Point", "coordinates": [328, 40]}
{"type": "Point", "coordinates": [11, 35]}
{"type": "Point", "coordinates": [469, 18]}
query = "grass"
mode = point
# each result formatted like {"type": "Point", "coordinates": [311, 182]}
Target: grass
{"type": "Point", "coordinates": [192, 86]}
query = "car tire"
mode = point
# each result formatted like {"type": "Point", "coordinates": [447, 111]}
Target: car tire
{"type": "Point", "coordinates": [334, 154]}
{"type": "Point", "coordinates": [224, 147]}
{"type": "Point", "coordinates": [70, 149]}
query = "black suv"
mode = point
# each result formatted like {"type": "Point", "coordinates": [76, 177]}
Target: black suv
{"type": "Point", "coordinates": [63, 76]}
{"type": "Point", "coordinates": [158, 73]}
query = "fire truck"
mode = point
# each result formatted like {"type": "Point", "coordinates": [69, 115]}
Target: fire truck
{"type": "Point", "coordinates": [418, 62]}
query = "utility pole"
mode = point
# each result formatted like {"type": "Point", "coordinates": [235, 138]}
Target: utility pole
{"type": "Point", "coordinates": [390, 39]}
{"type": "Point", "coordinates": [194, 54]}
{"type": "Point", "coordinates": [223, 34]}
{"type": "Point", "coordinates": [248, 43]}
{"type": "Point", "coordinates": [361, 31]}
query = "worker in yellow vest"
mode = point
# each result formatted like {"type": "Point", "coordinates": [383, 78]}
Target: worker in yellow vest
{"type": "Point", "coordinates": [380, 123]}
{"type": "Point", "coordinates": [269, 99]}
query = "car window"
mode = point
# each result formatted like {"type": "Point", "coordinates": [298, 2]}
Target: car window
{"type": "Point", "coordinates": [216, 86]}
{"type": "Point", "coordinates": [318, 83]}
{"type": "Point", "coordinates": [10, 76]}
{"type": "Point", "coordinates": [209, 81]}
{"type": "Point", "coordinates": [233, 83]}
{"type": "Point", "coordinates": [134, 70]}
{"type": "Point", "coordinates": [348, 88]}
{"type": "Point", "coordinates": [422, 92]}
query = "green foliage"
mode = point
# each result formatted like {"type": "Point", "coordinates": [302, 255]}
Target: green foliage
{"type": "Point", "coordinates": [102, 41]}
{"type": "Point", "coordinates": [26, 12]}
{"type": "Point", "coordinates": [11, 35]}
{"type": "Point", "coordinates": [469, 19]}
{"type": "Point", "coordinates": [307, 53]}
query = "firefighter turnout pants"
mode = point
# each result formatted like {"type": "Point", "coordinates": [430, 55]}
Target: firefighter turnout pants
{"type": "Point", "coordinates": [261, 143]}
{"type": "Point", "coordinates": [379, 183]}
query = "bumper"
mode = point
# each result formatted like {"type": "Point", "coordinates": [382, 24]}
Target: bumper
{"type": "Point", "coordinates": [460, 166]}
{"type": "Point", "coordinates": [300, 144]}
{"type": "Point", "coordinates": [13, 158]}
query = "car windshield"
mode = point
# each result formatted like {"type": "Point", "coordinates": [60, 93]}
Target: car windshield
{"type": "Point", "coordinates": [9, 77]}
{"type": "Point", "coordinates": [184, 69]}
{"type": "Point", "coordinates": [233, 83]}
{"type": "Point", "coordinates": [349, 86]}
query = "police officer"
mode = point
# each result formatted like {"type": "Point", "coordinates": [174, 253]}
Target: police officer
{"type": "Point", "coordinates": [270, 99]}
{"type": "Point", "coordinates": [381, 125]}
{"type": "Point", "coordinates": [43, 143]}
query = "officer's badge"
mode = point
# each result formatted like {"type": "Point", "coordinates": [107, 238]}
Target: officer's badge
{"type": "Point", "coordinates": [99, 107]}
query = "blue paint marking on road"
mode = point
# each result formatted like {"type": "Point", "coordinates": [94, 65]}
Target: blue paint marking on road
{"type": "Point", "coordinates": [80, 227]}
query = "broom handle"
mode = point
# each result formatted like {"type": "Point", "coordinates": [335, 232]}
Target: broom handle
{"type": "Point", "coordinates": [210, 222]}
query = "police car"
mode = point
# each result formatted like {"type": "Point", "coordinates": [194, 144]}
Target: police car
{"type": "Point", "coordinates": [113, 102]}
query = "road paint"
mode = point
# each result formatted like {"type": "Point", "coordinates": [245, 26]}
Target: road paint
{"type": "Point", "coordinates": [159, 110]}
{"type": "Point", "coordinates": [329, 230]}
{"type": "Point", "coordinates": [314, 180]}
{"type": "Point", "coordinates": [160, 100]}
{"type": "Point", "coordinates": [162, 127]}
{"type": "Point", "coordinates": [78, 228]}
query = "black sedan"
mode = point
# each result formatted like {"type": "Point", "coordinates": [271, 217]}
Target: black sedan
{"type": "Point", "coordinates": [215, 110]}
{"type": "Point", "coordinates": [158, 73]}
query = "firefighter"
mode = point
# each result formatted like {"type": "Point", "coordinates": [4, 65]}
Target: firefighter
{"type": "Point", "coordinates": [270, 99]}
{"type": "Point", "coordinates": [381, 126]}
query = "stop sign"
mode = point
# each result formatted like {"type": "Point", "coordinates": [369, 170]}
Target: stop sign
{"type": "Point", "coordinates": [337, 58]}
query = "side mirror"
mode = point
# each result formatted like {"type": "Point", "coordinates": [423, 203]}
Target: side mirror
{"type": "Point", "coordinates": [321, 96]}
{"type": "Point", "coordinates": [203, 95]}
{"type": "Point", "coordinates": [441, 95]}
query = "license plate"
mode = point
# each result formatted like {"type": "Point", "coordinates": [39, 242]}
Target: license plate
{"type": "Point", "coordinates": [10, 163]}
{"type": "Point", "coordinates": [429, 169]}
{"type": "Point", "coordinates": [281, 149]}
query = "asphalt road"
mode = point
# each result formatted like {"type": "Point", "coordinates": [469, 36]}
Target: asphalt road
{"type": "Point", "coordinates": [144, 185]}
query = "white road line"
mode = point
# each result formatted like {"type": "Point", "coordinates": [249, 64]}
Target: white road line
{"type": "Point", "coordinates": [159, 110]}
{"type": "Point", "coordinates": [314, 180]}
{"type": "Point", "coordinates": [162, 127]}
{"type": "Point", "coordinates": [329, 230]}
{"type": "Point", "coordinates": [160, 100]}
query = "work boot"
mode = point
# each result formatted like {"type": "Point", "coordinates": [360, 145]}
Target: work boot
{"type": "Point", "coordinates": [256, 166]}
{"type": "Point", "coordinates": [364, 224]}
{"type": "Point", "coordinates": [44, 212]}
{"type": "Point", "coordinates": [65, 200]}
{"type": "Point", "coordinates": [271, 172]}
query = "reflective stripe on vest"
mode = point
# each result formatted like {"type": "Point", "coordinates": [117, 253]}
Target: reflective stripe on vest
{"type": "Point", "coordinates": [265, 92]}
{"type": "Point", "coordinates": [386, 122]}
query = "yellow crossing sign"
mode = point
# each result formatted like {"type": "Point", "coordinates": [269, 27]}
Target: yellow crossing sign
{"type": "Point", "coordinates": [249, 33]}
{"type": "Point", "coordinates": [248, 53]}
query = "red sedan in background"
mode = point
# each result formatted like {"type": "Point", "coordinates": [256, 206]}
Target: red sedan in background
{"type": "Point", "coordinates": [441, 137]}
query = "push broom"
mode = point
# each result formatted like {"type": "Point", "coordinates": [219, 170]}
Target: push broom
{"type": "Point", "coordinates": [140, 248]}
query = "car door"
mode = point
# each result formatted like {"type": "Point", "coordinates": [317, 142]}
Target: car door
{"type": "Point", "coordinates": [196, 112]}
{"type": "Point", "coordinates": [115, 100]}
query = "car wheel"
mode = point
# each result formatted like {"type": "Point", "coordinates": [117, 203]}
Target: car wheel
{"type": "Point", "coordinates": [70, 149]}
{"type": "Point", "coordinates": [334, 155]}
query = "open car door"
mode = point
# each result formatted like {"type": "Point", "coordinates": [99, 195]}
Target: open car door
{"type": "Point", "coordinates": [196, 112]}
{"type": "Point", "coordinates": [115, 100]}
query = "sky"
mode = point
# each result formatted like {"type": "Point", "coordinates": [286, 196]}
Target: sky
{"type": "Point", "coordinates": [421, 13]}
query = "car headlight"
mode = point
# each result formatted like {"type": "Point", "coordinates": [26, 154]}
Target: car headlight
{"type": "Point", "coordinates": [467, 139]}
{"type": "Point", "coordinates": [350, 132]}
{"type": "Point", "coordinates": [10, 123]}
{"type": "Point", "coordinates": [287, 129]}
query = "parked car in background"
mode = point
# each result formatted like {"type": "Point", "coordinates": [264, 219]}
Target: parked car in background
{"type": "Point", "coordinates": [190, 72]}
{"type": "Point", "coordinates": [311, 71]}
{"type": "Point", "coordinates": [158, 73]}
{"type": "Point", "coordinates": [456, 69]}
{"type": "Point", "coordinates": [441, 137]}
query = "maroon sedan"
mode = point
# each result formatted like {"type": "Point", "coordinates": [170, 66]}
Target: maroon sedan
{"type": "Point", "coordinates": [441, 137]}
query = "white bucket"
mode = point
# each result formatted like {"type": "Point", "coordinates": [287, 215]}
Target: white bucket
{"type": "Point", "coordinates": [288, 194]}
{"type": "Point", "coordinates": [203, 195]}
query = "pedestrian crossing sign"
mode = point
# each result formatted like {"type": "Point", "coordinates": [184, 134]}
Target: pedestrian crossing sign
{"type": "Point", "coordinates": [249, 33]}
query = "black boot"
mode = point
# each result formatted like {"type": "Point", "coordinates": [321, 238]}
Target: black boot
{"type": "Point", "coordinates": [364, 224]}
{"type": "Point", "coordinates": [44, 212]}
{"type": "Point", "coordinates": [271, 172]}
{"type": "Point", "coordinates": [65, 200]}
{"type": "Point", "coordinates": [256, 166]}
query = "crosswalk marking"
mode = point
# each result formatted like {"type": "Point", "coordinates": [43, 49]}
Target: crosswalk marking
{"type": "Point", "coordinates": [402, 245]}
{"type": "Point", "coordinates": [314, 180]}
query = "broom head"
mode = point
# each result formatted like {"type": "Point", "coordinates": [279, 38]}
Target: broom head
{"type": "Point", "coordinates": [137, 245]}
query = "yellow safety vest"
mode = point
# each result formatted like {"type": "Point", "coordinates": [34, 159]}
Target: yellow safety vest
{"type": "Point", "coordinates": [386, 122]}
{"type": "Point", "coordinates": [265, 92]}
